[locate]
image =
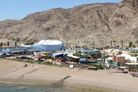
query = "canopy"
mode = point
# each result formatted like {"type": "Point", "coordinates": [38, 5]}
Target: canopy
{"type": "Point", "coordinates": [49, 42]}
{"type": "Point", "coordinates": [49, 45]}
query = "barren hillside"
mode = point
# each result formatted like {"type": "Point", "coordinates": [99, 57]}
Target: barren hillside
{"type": "Point", "coordinates": [81, 25]}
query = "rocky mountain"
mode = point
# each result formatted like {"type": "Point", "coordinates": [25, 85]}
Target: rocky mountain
{"type": "Point", "coordinates": [82, 25]}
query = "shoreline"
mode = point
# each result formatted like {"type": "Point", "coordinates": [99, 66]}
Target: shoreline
{"type": "Point", "coordinates": [74, 87]}
{"type": "Point", "coordinates": [12, 72]}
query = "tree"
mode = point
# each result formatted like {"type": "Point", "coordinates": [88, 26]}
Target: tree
{"type": "Point", "coordinates": [30, 41]}
{"type": "Point", "coordinates": [130, 44]}
{"type": "Point", "coordinates": [133, 46]}
{"type": "Point", "coordinates": [1, 45]}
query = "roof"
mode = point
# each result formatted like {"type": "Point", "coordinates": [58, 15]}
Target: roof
{"type": "Point", "coordinates": [72, 56]}
{"type": "Point", "coordinates": [57, 54]}
{"type": "Point", "coordinates": [132, 63]}
{"type": "Point", "coordinates": [49, 42]}
{"type": "Point", "coordinates": [49, 45]}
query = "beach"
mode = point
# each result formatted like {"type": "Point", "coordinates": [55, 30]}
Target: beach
{"type": "Point", "coordinates": [14, 72]}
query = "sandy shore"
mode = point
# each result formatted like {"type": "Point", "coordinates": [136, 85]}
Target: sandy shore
{"type": "Point", "coordinates": [15, 72]}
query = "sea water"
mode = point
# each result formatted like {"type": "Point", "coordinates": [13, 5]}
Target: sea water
{"type": "Point", "coordinates": [21, 88]}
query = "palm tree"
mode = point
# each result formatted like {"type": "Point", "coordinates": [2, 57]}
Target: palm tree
{"type": "Point", "coordinates": [1, 45]}
{"type": "Point", "coordinates": [114, 43]}
{"type": "Point", "coordinates": [8, 43]}
{"type": "Point", "coordinates": [16, 41]}
{"type": "Point", "coordinates": [136, 43]}
{"type": "Point", "coordinates": [122, 43]}
{"type": "Point", "coordinates": [15, 44]}
{"type": "Point", "coordinates": [111, 44]}
{"type": "Point", "coordinates": [93, 43]}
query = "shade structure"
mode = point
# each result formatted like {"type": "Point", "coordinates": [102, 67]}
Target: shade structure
{"type": "Point", "coordinates": [49, 45]}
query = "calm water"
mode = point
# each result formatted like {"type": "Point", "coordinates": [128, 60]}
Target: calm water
{"type": "Point", "coordinates": [21, 88]}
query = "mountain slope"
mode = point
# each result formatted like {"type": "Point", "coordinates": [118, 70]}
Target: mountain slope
{"type": "Point", "coordinates": [81, 25]}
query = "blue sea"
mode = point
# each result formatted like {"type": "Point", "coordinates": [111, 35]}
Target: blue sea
{"type": "Point", "coordinates": [22, 88]}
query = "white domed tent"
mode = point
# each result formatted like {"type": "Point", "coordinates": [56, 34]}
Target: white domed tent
{"type": "Point", "coordinates": [49, 45]}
